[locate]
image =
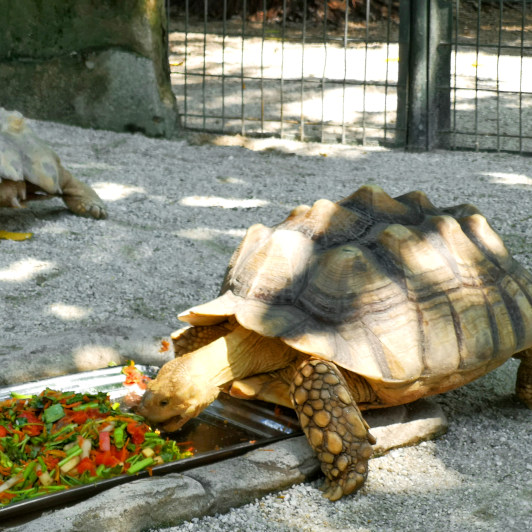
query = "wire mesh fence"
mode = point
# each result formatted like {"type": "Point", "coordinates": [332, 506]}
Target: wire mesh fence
{"type": "Point", "coordinates": [329, 71]}
{"type": "Point", "coordinates": [491, 75]}
{"type": "Point", "coordinates": [266, 69]}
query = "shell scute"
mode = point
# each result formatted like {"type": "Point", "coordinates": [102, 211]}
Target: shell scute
{"type": "Point", "coordinates": [345, 280]}
{"type": "Point", "coordinates": [419, 201]}
{"type": "Point", "coordinates": [326, 223]}
{"type": "Point", "coordinates": [479, 231]}
{"type": "Point", "coordinates": [372, 201]}
{"type": "Point", "coordinates": [424, 269]}
{"type": "Point", "coordinates": [471, 265]}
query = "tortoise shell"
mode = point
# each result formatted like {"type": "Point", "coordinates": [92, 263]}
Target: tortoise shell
{"type": "Point", "coordinates": [30, 170]}
{"type": "Point", "coordinates": [393, 289]}
{"type": "Point", "coordinates": [24, 157]}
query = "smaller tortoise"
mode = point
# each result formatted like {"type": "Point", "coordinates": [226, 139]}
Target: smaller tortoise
{"type": "Point", "coordinates": [365, 303]}
{"type": "Point", "coordinates": [30, 170]}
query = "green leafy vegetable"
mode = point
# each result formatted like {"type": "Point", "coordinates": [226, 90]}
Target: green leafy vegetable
{"type": "Point", "coordinates": [56, 440]}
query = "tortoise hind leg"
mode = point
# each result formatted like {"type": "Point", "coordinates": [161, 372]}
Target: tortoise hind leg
{"type": "Point", "coordinates": [79, 197]}
{"type": "Point", "coordinates": [12, 193]}
{"type": "Point", "coordinates": [523, 385]}
{"type": "Point", "coordinates": [333, 425]}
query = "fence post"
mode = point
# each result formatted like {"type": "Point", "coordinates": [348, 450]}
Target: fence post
{"type": "Point", "coordinates": [424, 95]}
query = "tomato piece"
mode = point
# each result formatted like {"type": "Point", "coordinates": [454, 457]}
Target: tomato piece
{"type": "Point", "coordinates": [137, 431]}
{"type": "Point", "coordinates": [77, 417]}
{"type": "Point", "coordinates": [120, 454]}
{"type": "Point", "coordinates": [106, 458]}
{"type": "Point", "coordinates": [3, 431]}
{"type": "Point", "coordinates": [36, 426]}
{"type": "Point", "coordinates": [86, 464]}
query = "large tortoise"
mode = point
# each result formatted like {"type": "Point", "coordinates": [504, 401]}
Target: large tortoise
{"type": "Point", "coordinates": [30, 170]}
{"type": "Point", "coordinates": [364, 303]}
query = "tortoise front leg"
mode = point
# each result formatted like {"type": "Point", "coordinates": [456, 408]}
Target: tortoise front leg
{"type": "Point", "coordinates": [523, 385]}
{"type": "Point", "coordinates": [79, 197]}
{"type": "Point", "coordinates": [333, 425]}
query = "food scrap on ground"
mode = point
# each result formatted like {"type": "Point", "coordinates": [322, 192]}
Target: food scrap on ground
{"type": "Point", "coordinates": [8, 235]}
{"type": "Point", "coordinates": [56, 440]}
{"type": "Point", "coordinates": [165, 346]}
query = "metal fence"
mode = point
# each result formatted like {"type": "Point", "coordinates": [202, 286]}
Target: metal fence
{"type": "Point", "coordinates": [412, 73]}
{"type": "Point", "coordinates": [491, 76]}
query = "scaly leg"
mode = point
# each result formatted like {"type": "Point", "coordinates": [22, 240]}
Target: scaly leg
{"type": "Point", "coordinates": [333, 425]}
{"type": "Point", "coordinates": [79, 197]}
{"type": "Point", "coordinates": [12, 193]}
{"type": "Point", "coordinates": [523, 385]}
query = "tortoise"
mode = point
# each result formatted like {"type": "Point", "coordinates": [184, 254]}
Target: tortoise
{"type": "Point", "coordinates": [369, 302]}
{"type": "Point", "coordinates": [30, 170]}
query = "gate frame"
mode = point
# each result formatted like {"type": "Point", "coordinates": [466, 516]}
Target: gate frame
{"type": "Point", "coordinates": [424, 85]}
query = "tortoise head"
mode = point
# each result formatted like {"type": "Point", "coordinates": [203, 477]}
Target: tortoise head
{"type": "Point", "coordinates": [176, 396]}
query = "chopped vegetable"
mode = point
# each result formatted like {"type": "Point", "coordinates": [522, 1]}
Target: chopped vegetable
{"type": "Point", "coordinates": [56, 440]}
{"type": "Point", "coordinates": [104, 439]}
{"type": "Point", "coordinates": [140, 465]}
{"type": "Point", "coordinates": [134, 376]}
{"type": "Point", "coordinates": [53, 413]}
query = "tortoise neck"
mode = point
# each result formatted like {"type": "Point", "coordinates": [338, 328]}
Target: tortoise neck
{"type": "Point", "coordinates": [237, 355]}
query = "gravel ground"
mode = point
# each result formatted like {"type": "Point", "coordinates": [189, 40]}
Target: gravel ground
{"type": "Point", "coordinates": [83, 293]}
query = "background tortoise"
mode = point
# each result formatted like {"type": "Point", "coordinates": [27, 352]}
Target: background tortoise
{"type": "Point", "coordinates": [30, 170]}
{"type": "Point", "coordinates": [364, 303]}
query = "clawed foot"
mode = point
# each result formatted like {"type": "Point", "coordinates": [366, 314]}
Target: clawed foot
{"type": "Point", "coordinates": [79, 197]}
{"type": "Point", "coordinates": [88, 207]}
{"type": "Point", "coordinates": [333, 425]}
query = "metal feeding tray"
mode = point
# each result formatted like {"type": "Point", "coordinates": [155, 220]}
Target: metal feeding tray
{"type": "Point", "coordinates": [228, 427]}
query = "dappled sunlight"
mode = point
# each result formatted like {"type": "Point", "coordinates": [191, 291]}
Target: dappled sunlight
{"type": "Point", "coordinates": [231, 180]}
{"type": "Point", "coordinates": [266, 83]}
{"type": "Point", "coordinates": [68, 312]}
{"type": "Point", "coordinates": [269, 58]}
{"type": "Point", "coordinates": [116, 191]}
{"type": "Point", "coordinates": [224, 203]}
{"type": "Point", "coordinates": [509, 179]}
{"type": "Point", "coordinates": [25, 269]}
{"type": "Point", "coordinates": [293, 147]}
{"type": "Point", "coordinates": [208, 233]}
{"type": "Point", "coordinates": [95, 356]}
{"type": "Point", "coordinates": [97, 165]}
{"type": "Point", "coordinates": [350, 105]}
{"type": "Point", "coordinates": [489, 71]}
